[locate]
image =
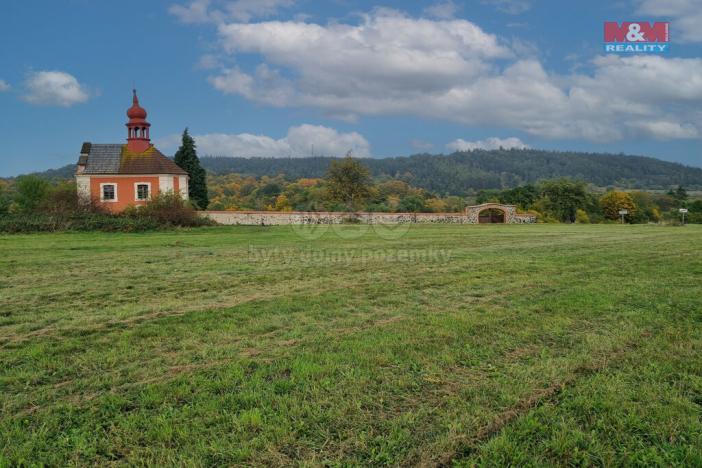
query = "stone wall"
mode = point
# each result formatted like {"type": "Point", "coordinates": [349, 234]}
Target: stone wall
{"type": "Point", "coordinates": [510, 212]}
{"type": "Point", "coordinates": [271, 218]}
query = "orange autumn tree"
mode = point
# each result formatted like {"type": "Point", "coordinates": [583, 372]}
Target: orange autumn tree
{"type": "Point", "coordinates": [613, 202]}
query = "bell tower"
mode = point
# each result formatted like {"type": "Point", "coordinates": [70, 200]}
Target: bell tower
{"type": "Point", "coordinates": [138, 139]}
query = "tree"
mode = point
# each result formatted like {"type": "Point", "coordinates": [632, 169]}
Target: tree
{"type": "Point", "coordinates": [646, 209]}
{"type": "Point", "coordinates": [282, 203]}
{"type": "Point", "coordinates": [187, 159]}
{"type": "Point", "coordinates": [436, 205]}
{"type": "Point", "coordinates": [679, 195]}
{"type": "Point", "coordinates": [348, 182]}
{"type": "Point", "coordinates": [563, 197]}
{"type": "Point", "coordinates": [5, 200]}
{"type": "Point", "coordinates": [411, 204]}
{"type": "Point", "coordinates": [31, 192]}
{"type": "Point", "coordinates": [523, 196]}
{"type": "Point", "coordinates": [613, 202]}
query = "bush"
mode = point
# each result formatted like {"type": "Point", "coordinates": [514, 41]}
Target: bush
{"type": "Point", "coordinates": [5, 200]}
{"type": "Point", "coordinates": [32, 192]}
{"type": "Point", "coordinates": [43, 222]}
{"type": "Point", "coordinates": [61, 210]}
{"type": "Point", "coordinates": [169, 209]}
{"type": "Point", "coordinates": [581, 217]}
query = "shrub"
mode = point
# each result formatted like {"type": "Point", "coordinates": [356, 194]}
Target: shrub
{"type": "Point", "coordinates": [63, 211]}
{"type": "Point", "coordinates": [44, 222]}
{"type": "Point", "coordinates": [5, 200]}
{"type": "Point", "coordinates": [581, 217]}
{"type": "Point", "coordinates": [169, 209]}
{"type": "Point", "coordinates": [32, 191]}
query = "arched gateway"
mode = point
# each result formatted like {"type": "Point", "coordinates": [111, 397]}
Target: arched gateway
{"type": "Point", "coordinates": [491, 216]}
{"type": "Point", "coordinates": [497, 213]}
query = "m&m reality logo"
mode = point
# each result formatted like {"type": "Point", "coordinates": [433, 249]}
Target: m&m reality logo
{"type": "Point", "coordinates": [637, 37]}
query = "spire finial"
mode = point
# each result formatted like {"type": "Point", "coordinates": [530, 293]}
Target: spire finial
{"type": "Point", "coordinates": [135, 99]}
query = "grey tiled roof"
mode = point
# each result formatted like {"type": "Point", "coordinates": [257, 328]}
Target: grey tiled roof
{"type": "Point", "coordinates": [110, 159]}
{"type": "Point", "coordinates": [103, 159]}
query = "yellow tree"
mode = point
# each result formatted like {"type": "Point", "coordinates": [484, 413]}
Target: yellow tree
{"type": "Point", "coordinates": [613, 202]}
{"type": "Point", "coordinates": [282, 203]}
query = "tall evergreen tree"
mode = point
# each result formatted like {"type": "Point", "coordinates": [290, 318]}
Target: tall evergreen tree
{"type": "Point", "coordinates": [187, 159]}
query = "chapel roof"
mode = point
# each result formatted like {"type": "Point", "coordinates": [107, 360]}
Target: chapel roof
{"type": "Point", "coordinates": [117, 159]}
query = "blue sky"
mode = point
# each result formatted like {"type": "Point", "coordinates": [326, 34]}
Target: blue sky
{"type": "Point", "coordinates": [299, 77]}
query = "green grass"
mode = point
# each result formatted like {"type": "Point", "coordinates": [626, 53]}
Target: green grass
{"type": "Point", "coordinates": [489, 345]}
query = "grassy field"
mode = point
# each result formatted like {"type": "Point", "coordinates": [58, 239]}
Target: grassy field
{"type": "Point", "coordinates": [530, 345]}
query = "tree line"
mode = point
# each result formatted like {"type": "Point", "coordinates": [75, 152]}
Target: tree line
{"type": "Point", "coordinates": [348, 186]}
{"type": "Point", "coordinates": [466, 173]}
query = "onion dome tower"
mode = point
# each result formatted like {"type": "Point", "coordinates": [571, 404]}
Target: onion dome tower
{"type": "Point", "coordinates": [138, 139]}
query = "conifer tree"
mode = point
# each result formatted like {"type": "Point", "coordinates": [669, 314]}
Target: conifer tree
{"type": "Point", "coordinates": [187, 159]}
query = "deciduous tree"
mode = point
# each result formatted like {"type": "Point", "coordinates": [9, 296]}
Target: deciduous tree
{"type": "Point", "coordinates": [348, 182]}
{"type": "Point", "coordinates": [31, 192]}
{"type": "Point", "coordinates": [613, 202]}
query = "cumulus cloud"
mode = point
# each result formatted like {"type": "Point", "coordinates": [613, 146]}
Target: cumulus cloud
{"type": "Point", "coordinates": [487, 144]}
{"type": "Point", "coordinates": [245, 10]}
{"type": "Point", "coordinates": [194, 12]}
{"type": "Point", "coordinates": [685, 15]}
{"type": "Point", "coordinates": [207, 11]}
{"type": "Point", "coordinates": [301, 141]}
{"type": "Point", "coordinates": [389, 63]}
{"type": "Point", "coordinates": [386, 58]}
{"type": "Point", "coordinates": [4, 86]}
{"type": "Point", "coordinates": [54, 88]}
{"type": "Point", "coordinates": [443, 10]}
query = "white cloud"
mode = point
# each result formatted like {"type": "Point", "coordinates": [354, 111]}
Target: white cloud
{"type": "Point", "coordinates": [392, 64]}
{"type": "Point", "coordinates": [512, 7]}
{"type": "Point", "coordinates": [487, 144]}
{"type": "Point", "coordinates": [245, 10]}
{"type": "Point", "coordinates": [387, 57]}
{"type": "Point", "coordinates": [4, 86]}
{"type": "Point", "coordinates": [54, 88]}
{"type": "Point", "coordinates": [301, 141]}
{"type": "Point", "coordinates": [206, 11]}
{"type": "Point", "coordinates": [196, 11]}
{"type": "Point", "coordinates": [446, 9]}
{"type": "Point", "coordinates": [685, 15]}
{"type": "Point", "coordinates": [666, 130]}
{"type": "Point", "coordinates": [208, 62]}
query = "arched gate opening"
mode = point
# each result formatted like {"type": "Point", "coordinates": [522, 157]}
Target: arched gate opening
{"type": "Point", "coordinates": [492, 216]}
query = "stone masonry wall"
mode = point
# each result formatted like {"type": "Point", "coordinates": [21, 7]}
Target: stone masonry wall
{"type": "Point", "coordinates": [271, 218]}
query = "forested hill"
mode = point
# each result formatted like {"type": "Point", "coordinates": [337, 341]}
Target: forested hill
{"type": "Point", "coordinates": [459, 172]}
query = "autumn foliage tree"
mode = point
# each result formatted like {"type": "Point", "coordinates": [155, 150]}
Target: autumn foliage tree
{"type": "Point", "coordinates": [348, 183]}
{"type": "Point", "coordinates": [613, 202]}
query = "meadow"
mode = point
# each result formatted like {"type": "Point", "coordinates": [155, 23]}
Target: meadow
{"type": "Point", "coordinates": [448, 345]}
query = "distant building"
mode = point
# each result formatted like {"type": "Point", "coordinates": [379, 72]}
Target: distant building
{"type": "Point", "coordinates": [117, 176]}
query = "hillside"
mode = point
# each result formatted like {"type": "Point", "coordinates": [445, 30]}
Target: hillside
{"type": "Point", "coordinates": [459, 173]}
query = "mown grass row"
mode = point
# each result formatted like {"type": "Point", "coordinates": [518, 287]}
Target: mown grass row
{"type": "Point", "coordinates": [525, 345]}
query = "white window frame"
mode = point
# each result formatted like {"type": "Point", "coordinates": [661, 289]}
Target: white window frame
{"type": "Point", "coordinates": [102, 193]}
{"type": "Point", "coordinates": [136, 191]}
